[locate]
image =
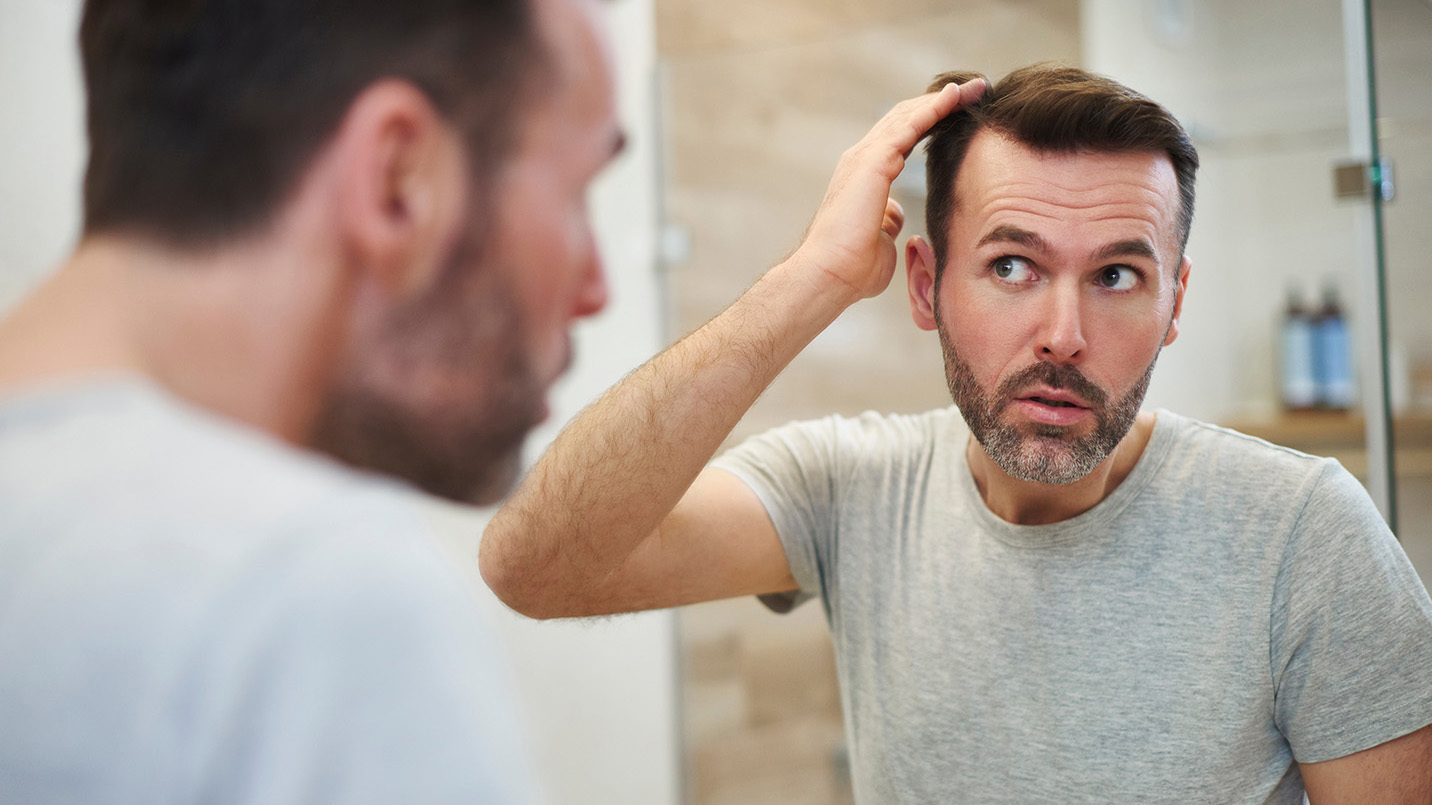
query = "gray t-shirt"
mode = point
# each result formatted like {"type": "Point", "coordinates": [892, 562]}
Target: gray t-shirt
{"type": "Point", "coordinates": [1232, 607]}
{"type": "Point", "coordinates": [192, 612]}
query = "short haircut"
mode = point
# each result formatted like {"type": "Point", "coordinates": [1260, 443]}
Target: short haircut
{"type": "Point", "coordinates": [203, 114]}
{"type": "Point", "coordinates": [1052, 109]}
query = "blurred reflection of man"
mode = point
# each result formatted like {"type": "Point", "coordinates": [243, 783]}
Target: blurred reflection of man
{"type": "Point", "coordinates": [311, 227]}
{"type": "Point", "coordinates": [1059, 598]}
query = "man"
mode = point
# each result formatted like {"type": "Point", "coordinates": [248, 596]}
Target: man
{"type": "Point", "coordinates": [311, 227]}
{"type": "Point", "coordinates": [1068, 599]}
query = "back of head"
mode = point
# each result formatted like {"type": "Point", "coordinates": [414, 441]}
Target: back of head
{"type": "Point", "coordinates": [1054, 110]}
{"type": "Point", "coordinates": [203, 114]}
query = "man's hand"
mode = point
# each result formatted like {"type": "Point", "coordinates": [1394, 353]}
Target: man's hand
{"type": "Point", "coordinates": [619, 515]}
{"type": "Point", "coordinates": [852, 238]}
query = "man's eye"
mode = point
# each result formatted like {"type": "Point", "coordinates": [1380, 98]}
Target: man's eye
{"type": "Point", "coordinates": [1118, 278]}
{"type": "Point", "coordinates": [1014, 269]}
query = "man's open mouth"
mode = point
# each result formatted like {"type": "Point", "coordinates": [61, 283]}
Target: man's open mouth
{"type": "Point", "coordinates": [1052, 403]}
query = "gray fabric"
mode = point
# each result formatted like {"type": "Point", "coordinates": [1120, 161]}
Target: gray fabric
{"type": "Point", "coordinates": [190, 612]}
{"type": "Point", "coordinates": [1233, 607]}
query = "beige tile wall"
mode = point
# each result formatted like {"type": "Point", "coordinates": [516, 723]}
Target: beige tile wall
{"type": "Point", "coordinates": [760, 97]}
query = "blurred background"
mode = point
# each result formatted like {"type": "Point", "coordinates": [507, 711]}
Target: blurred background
{"type": "Point", "coordinates": [1307, 317]}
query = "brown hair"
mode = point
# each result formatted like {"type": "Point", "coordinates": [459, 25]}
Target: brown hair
{"type": "Point", "coordinates": [1057, 110]}
{"type": "Point", "coordinates": [202, 114]}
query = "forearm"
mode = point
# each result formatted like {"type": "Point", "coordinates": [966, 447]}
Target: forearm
{"type": "Point", "coordinates": [620, 467]}
{"type": "Point", "coordinates": [590, 529]}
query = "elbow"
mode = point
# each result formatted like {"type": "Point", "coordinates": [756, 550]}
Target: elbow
{"type": "Point", "coordinates": [506, 582]}
{"type": "Point", "coordinates": [519, 588]}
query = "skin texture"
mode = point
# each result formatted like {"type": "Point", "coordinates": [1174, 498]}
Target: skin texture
{"type": "Point", "coordinates": [367, 309]}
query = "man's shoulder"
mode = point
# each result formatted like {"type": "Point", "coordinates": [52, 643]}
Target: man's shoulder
{"type": "Point", "coordinates": [1226, 467]}
{"type": "Point", "coordinates": [131, 441]}
{"type": "Point", "coordinates": [124, 469]}
{"type": "Point", "coordinates": [1196, 440]}
{"type": "Point", "coordinates": [174, 569]}
{"type": "Point", "coordinates": [130, 513]}
{"type": "Point", "coordinates": [873, 426]}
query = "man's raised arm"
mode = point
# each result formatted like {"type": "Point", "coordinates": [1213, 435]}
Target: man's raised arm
{"type": "Point", "coordinates": [619, 516]}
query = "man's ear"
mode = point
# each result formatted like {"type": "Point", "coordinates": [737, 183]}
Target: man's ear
{"type": "Point", "coordinates": [920, 277]}
{"type": "Point", "coordinates": [1180, 288]}
{"type": "Point", "coordinates": [400, 186]}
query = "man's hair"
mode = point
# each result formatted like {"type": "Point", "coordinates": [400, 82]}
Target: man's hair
{"type": "Point", "coordinates": [203, 114]}
{"type": "Point", "coordinates": [1052, 109]}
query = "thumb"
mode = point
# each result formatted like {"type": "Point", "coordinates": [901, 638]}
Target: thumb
{"type": "Point", "coordinates": [894, 218]}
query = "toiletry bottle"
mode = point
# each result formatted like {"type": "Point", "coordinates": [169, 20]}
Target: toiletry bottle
{"type": "Point", "coordinates": [1299, 386]}
{"type": "Point", "coordinates": [1332, 365]}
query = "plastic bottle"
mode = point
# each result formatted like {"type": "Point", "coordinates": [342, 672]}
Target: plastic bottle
{"type": "Point", "coordinates": [1332, 364]}
{"type": "Point", "coordinates": [1299, 384]}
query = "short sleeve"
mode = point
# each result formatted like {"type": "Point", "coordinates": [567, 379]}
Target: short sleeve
{"type": "Point", "coordinates": [362, 673]}
{"type": "Point", "coordinates": [794, 471]}
{"type": "Point", "coordinates": [1351, 629]}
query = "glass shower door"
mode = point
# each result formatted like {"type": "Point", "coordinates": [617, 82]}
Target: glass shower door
{"type": "Point", "coordinates": [1400, 120]}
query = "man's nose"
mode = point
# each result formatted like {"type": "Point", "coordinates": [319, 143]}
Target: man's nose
{"type": "Point", "coordinates": [1061, 334]}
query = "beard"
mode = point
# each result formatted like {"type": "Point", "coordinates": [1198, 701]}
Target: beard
{"type": "Point", "coordinates": [442, 393]}
{"type": "Point", "coordinates": [1046, 454]}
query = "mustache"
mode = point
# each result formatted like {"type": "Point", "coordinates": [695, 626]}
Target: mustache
{"type": "Point", "coordinates": [1058, 376]}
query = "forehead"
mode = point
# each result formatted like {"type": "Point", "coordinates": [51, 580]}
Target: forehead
{"type": "Point", "coordinates": [1002, 181]}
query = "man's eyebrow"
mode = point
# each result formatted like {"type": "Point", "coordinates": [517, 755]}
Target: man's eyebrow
{"type": "Point", "coordinates": [1133, 247]}
{"type": "Point", "coordinates": [1006, 233]}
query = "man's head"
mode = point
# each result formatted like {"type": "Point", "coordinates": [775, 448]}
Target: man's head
{"type": "Point", "coordinates": [204, 114]}
{"type": "Point", "coordinates": [437, 151]}
{"type": "Point", "coordinates": [1054, 110]}
{"type": "Point", "coordinates": [1059, 209]}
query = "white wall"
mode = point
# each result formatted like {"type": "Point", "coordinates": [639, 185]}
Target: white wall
{"type": "Point", "coordinates": [599, 698]}
{"type": "Point", "coordinates": [42, 142]}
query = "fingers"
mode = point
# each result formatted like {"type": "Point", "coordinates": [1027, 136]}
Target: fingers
{"type": "Point", "coordinates": [892, 139]}
{"type": "Point", "coordinates": [971, 91]}
{"type": "Point", "coordinates": [948, 99]}
{"type": "Point", "coordinates": [841, 240]}
{"type": "Point", "coordinates": [911, 119]}
{"type": "Point", "coordinates": [894, 218]}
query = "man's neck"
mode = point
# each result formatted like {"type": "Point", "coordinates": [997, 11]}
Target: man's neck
{"type": "Point", "coordinates": [231, 331]}
{"type": "Point", "coordinates": [1030, 503]}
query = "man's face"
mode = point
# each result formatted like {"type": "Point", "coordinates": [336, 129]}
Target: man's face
{"type": "Point", "coordinates": [456, 380]}
{"type": "Point", "coordinates": [1062, 283]}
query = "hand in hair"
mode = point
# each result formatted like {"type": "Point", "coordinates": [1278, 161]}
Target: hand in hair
{"type": "Point", "coordinates": [852, 238]}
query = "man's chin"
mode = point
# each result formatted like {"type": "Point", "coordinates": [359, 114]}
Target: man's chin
{"type": "Point", "coordinates": [1053, 464]}
{"type": "Point", "coordinates": [1035, 452]}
